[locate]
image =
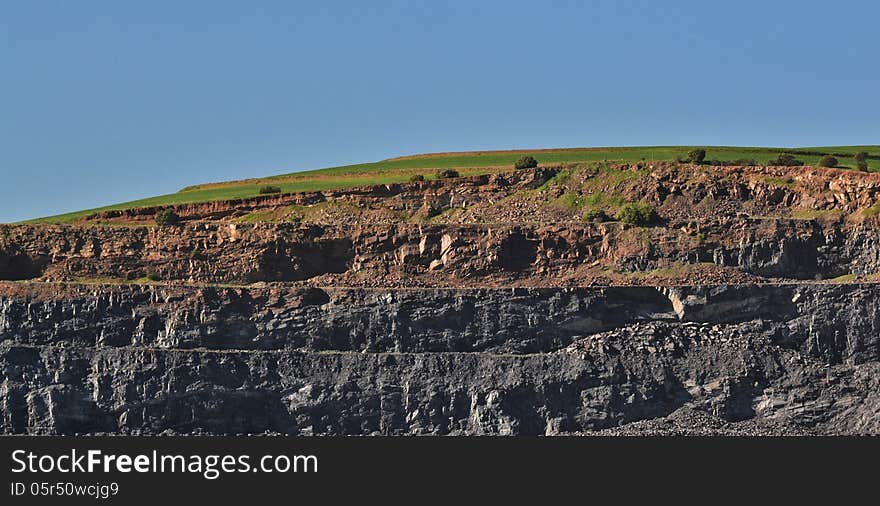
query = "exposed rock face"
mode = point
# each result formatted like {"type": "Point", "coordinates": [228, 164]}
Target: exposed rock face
{"type": "Point", "coordinates": [679, 192]}
{"type": "Point", "coordinates": [481, 361]}
{"type": "Point", "coordinates": [426, 198]}
{"type": "Point", "coordinates": [439, 255]}
{"type": "Point", "coordinates": [475, 306]}
{"type": "Point", "coordinates": [835, 322]}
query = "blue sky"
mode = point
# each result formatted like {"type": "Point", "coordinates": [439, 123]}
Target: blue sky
{"type": "Point", "coordinates": [102, 102]}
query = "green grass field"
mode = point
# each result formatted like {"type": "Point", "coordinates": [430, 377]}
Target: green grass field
{"type": "Point", "coordinates": [397, 170]}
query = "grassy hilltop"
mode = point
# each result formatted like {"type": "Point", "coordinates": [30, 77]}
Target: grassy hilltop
{"type": "Point", "coordinates": [400, 169]}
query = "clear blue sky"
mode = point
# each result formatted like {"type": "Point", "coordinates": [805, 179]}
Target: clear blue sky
{"type": "Point", "coordinates": [106, 101]}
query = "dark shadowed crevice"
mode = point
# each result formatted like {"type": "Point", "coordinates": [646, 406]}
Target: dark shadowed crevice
{"type": "Point", "coordinates": [15, 264]}
{"type": "Point", "coordinates": [517, 252]}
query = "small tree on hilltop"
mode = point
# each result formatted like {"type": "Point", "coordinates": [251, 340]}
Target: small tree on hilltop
{"type": "Point", "coordinates": [862, 166]}
{"type": "Point", "coordinates": [270, 189]}
{"type": "Point", "coordinates": [697, 156]}
{"type": "Point", "coordinates": [447, 174]}
{"type": "Point", "coordinates": [828, 161]}
{"type": "Point", "coordinates": [861, 156]}
{"type": "Point", "coordinates": [786, 160]}
{"type": "Point", "coordinates": [526, 162]}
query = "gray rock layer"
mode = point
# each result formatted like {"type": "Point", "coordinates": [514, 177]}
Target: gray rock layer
{"type": "Point", "coordinates": [146, 360]}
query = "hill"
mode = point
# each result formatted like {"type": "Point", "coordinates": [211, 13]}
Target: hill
{"type": "Point", "coordinates": [640, 297]}
{"type": "Point", "coordinates": [400, 169]}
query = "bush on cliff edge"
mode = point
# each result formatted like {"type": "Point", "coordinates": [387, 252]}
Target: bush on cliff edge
{"type": "Point", "coordinates": [167, 218]}
{"type": "Point", "coordinates": [526, 162]}
{"type": "Point", "coordinates": [636, 214]}
{"type": "Point", "coordinates": [828, 161]}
